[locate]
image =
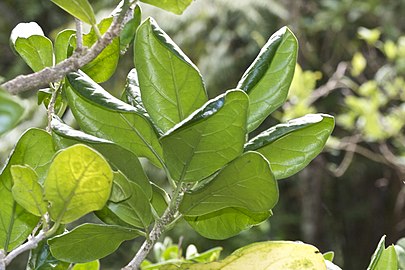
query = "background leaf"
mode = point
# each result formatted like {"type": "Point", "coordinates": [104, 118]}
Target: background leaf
{"type": "Point", "coordinates": [79, 181]}
{"type": "Point", "coordinates": [246, 182]}
{"type": "Point", "coordinates": [27, 191]}
{"type": "Point", "coordinates": [291, 146]}
{"type": "Point", "coordinates": [100, 114]}
{"type": "Point", "coordinates": [268, 78]}
{"type": "Point", "coordinates": [10, 112]}
{"type": "Point", "coordinates": [80, 9]}
{"type": "Point", "coordinates": [175, 6]}
{"type": "Point", "coordinates": [226, 222]}
{"type": "Point", "coordinates": [208, 139]}
{"type": "Point", "coordinates": [89, 242]}
{"type": "Point", "coordinates": [171, 85]}
{"type": "Point", "coordinates": [118, 157]}
{"type": "Point", "coordinates": [15, 222]}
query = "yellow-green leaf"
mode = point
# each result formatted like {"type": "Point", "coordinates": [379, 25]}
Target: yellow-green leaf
{"type": "Point", "coordinates": [274, 255]}
{"type": "Point", "coordinates": [27, 191]}
{"type": "Point", "coordinates": [79, 181]}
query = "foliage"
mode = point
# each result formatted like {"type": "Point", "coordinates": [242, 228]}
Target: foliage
{"type": "Point", "coordinates": [222, 175]}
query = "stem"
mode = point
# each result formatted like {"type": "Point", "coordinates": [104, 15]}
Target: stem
{"type": "Point", "coordinates": [79, 35]}
{"type": "Point", "coordinates": [51, 108]}
{"type": "Point", "coordinates": [2, 259]}
{"type": "Point", "coordinates": [159, 227]}
{"type": "Point", "coordinates": [46, 76]}
{"type": "Point", "coordinates": [30, 244]}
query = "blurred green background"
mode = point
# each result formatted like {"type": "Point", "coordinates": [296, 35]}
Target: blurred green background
{"type": "Point", "coordinates": [352, 65]}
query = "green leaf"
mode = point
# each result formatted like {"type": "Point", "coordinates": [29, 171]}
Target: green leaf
{"type": "Point", "coordinates": [136, 210]}
{"type": "Point", "coordinates": [42, 259]}
{"type": "Point", "coordinates": [121, 188]}
{"type": "Point", "coordinates": [268, 78]}
{"type": "Point", "coordinates": [175, 6]}
{"type": "Point", "coordinates": [94, 265]}
{"type": "Point", "coordinates": [26, 190]}
{"type": "Point", "coordinates": [329, 256]}
{"type": "Point", "coordinates": [79, 181]}
{"type": "Point", "coordinates": [104, 65]}
{"type": "Point", "coordinates": [132, 95]}
{"type": "Point", "coordinates": [247, 182]}
{"type": "Point", "coordinates": [171, 85]}
{"type": "Point", "coordinates": [80, 9]}
{"type": "Point", "coordinates": [89, 242]}
{"type": "Point", "coordinates": [62, 43]}
{"type": "Point", "coordinates": [34, 149]}
{"type": "Point", "coordinates": [100, 114]}
{"type": "Point", "coordinates": [226, 223]}
{"type": "Point", "coordinates": [274, 255]}
{"type": "Point", "coordinates": [10, 112]}
{"type": "Point", "coordinates": [289, 147]}
{"type": "Point", "coordinates": [208, 139]}
{"type": "Point", "coordinates": [127, 34]}
{"type": "Point", "coordinates": [384, 258]}
{"type": "Point", "coordinates": [30, 43]}
{"type": "Point", "coordinates": [108, 217]}
{"type": "Point", "coordinates": [159, 199]}
{"type": "Point", "coordinates": [36, 50]}
{"type": "Point", "coordinates": [118, 157]}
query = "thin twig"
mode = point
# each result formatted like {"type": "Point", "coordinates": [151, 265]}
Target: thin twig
{"type": "Point", "coordinates": [30, 244]}
{"type": "Point", "coordinates": [46, 76]}
{"type": "Point", "coordinates": [332, 84]}
{"type": "Point", "coordinates": [51, 108]}
{"type": "Point", "coordinates": [79, 35]}
{"type": "Point", "coordinates": [158, 228]}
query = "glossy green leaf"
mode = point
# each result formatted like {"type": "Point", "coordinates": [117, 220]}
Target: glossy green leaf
{"type": "Point", "coordinates": [108, 217]}
{"type": "Point", "coordinates": [62, 43]}
{"type": "Point", "coordinates": [291, 146]}
{"type": "Point", "coordinates": [175, 6]}
{"type": "Point", "coordinates": [104, 65]}
{"type": "Point", "coordinates": [27, 191]}
{"type": "Point", "coordinates": [100, 114]}
{"type": "Point", "coordinates": [10, 112]}
{"type": "Point", "coordinates": [127, 34]}
{"type": "Point", "coordinates": [118, 157]}
{"type": "Point", "coordinates": [34, 149]}
{"type": "Point", "coordinates": [274, 255]}
{"type": "Point", "coordinates": [25, 30]}
{"type": "Point", "coordinates": [136, 210]}
{"type": "Point", "coordinates": [159, 200]}
{"type": "Point", "coordinates": [268, 78]}
{"type": "Point", "coordinates": [94, 265]}
{"type": "Point", "coordinates": [42, 259]}
{"type": "Point", "coordinates": [36, 50]}
{"type": "Point", "coordinates": [208, 139]}
{"type": "Point", "coordinates": [247, 182]}
{"type": "Point", "coordinates": [171, 85]}
{"type": "Point", "coordinates": [121, 188]}
{"type": "Point", "coordinates": [384, 258]}
{"type": "Point", "coordinates": [226, 223]}
{"type": "Point", "coordinates": [89, 242]}
{"type": "Point", "coordinates": [80, 9]}
{"type": "Point", "coordinates": [79, 181]}
{"type": "Point", "coordinates": [132, 95]}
